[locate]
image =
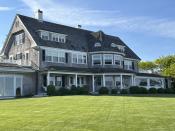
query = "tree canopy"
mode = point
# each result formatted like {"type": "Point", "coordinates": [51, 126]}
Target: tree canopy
{"type": "Point", "coordinates": [165, 64]}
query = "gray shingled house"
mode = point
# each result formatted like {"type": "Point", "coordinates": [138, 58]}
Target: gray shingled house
{"type": "Point", "coordinates": [48, 53]}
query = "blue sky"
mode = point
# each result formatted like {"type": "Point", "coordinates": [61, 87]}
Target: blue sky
{"type": "Point", "coordinates": [147, 26]}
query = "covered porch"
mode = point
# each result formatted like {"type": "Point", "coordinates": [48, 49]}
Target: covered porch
{"type": "Point", "coordinates": [92, 81]}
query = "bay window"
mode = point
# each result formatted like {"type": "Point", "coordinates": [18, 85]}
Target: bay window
{"type": "Point", "coordinates": [108, 59]}
{"type": "Point", "coordinates": [117, 60]}
{"type": "Point", "coordinates": [97, 59]}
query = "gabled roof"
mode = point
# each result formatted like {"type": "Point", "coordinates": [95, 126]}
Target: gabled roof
{"type": "Point", "coordinates": [77, 39]}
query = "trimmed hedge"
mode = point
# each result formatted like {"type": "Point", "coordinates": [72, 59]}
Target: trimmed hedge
{"type": "Point", "coordinates": [51, 90]}
{"type": "Point", "coordinates": [114, 91]}
{"type": "Point", "coordinates": [124, 91]}
{"type": "Point", "coordinates": [63, 91]}
{"type": "Point", "coordinates": [138, 90]}
{"type": "Point", "coordinates": [160, 90]}
{"type": "Point", "coordinates": [134, 90]}
{"type": "Point", "coordinates": [169, 91]}
{"type": "Point", "coordinates": [103, 90]}
{"type": "Point", "coordinates": [152, 90]}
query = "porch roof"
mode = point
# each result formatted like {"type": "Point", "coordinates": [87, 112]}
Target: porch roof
{"type": "Point", "coordinates": [87, 70]}
{"type": "Point", "coordinates": [148, 75]}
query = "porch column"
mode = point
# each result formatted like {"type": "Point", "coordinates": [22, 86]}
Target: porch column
{"type": "Point", "coordinates": [104, 84]}
{"type": "Point", "coordinates": [133, 83]}
{"type": "Point", "coordinates": [48, 78]}
{"type": "Point", "coordinates": [148, 83]}
{"type": "Point", "coordinates": [121, 81]}
{"type": "Point", "coordinates": [76, 80]}
{"type": "Point", "coordinates": [93, 86]}
{"type": "Point", "coordinates": [163, 82]}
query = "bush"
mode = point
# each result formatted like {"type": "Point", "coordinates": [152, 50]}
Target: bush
{"type": "Point", "coordinates": [152, 90]}
{"type": "Point", "coordinates": [18, 92]}
{"type": "Point", "coordinates": [51, 90]}
{"type": "Point", "coordinates": [124, 91]}
{"type": "Point", "coordinates": [114, 91]}
{"type": "Point", "coordinates": [83, 90]}
{"type": "Point", "coordinates": [103, 90]}
{"type": "Point", "coordinates": [63, 91]}
{"type": "Point", "coordinates": [74, 90]}
{"type": "Point", "coordinates": [134, 90]}
{"type": "Point", "coordinates": [143, 90]}
{"type": "Point", "coordinates": [161, 90]}
{"type": "Point", "coordinates": [169, 90]}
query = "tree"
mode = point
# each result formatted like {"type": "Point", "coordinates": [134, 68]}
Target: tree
{"type": "Point", "coordinates": [167, 65]}
{"type": "Point", "coordinates": [147, 65]}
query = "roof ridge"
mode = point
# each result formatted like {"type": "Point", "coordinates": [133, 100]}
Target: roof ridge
{"type": "Point", "coordinates": [57, 24]}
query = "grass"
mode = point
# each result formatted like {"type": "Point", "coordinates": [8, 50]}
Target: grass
{"type": "Point", "coordinates": [88, 113]}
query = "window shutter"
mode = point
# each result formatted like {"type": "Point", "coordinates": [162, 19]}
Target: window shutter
{"type": "Point", "coordinates": [20, 55]}
{"type": "Point", "coordinates": [133, 65]}
{"type": "Point", "coordinates": [66, 55]}
{"type": "Point", "coordinates": [43, 55]}
{"type": "Point", "coordinates": [123, 64]}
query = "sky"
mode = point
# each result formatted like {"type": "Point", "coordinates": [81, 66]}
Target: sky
{"type": "Point", "coordinates": [146, 26]}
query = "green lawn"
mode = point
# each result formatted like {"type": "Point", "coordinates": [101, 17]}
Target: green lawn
{"type": "Point", "coordinates": [88, 113]}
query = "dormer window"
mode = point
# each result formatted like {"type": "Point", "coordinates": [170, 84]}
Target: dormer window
{"type": "Point", "coordinates": [97, 44]}
{"type": "Point", "coordinates": [52, 36]}
{"type": "Point", "coordinates": [113, 45]}
{"type": "Point", "coordinates": [120, 47]}
{"type": "Point", "coordinates": [45, 35]}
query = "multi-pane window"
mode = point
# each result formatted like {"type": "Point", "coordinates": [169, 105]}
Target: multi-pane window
{"type": "Point", "coordinates": [61, 57]}
{"type": "Point", "coordinates": [48, 56]}
{"type": "Point", "coordinates": [97, 59]}
{"type": "Point", "coordinates": [19, 39]}
{"type": "Point", "coordinates": [74, 58]}
{"type": "Point", "coordinates": [117, 60]}
{"type": "Point", "coordinates": [108, 58]}
{"type": "Point", "coordinates": [128, 65]}
{"type": "Point", "coordinates": [79, 58]}
{"type": "Point", "coordinates": [55, 56]}
{"type": "Point", "coordinates": [45, 35]}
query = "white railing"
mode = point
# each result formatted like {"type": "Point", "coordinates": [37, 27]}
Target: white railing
{"type": "Point", "coordinates": [18, 62]}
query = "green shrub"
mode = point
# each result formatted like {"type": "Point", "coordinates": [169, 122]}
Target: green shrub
{"type": "Point", "coordinates": [143, 90]}
{"type": "Point", "coordinates": [114, 91]}
{"type": "Point", "coordinates": [51, 90]}
{"type": "Point", "coordinates": [103, 90]}
{"type": "Point", "coordinates": [74, 90]}
{"type": "Point", "coordinates": [169, 91]}
{"type": "Point", "coordinates": [134, 90]}
{"type": "Point", "coordinates": [83, 90]}
{"type": "Point", "coordinates": [124, 91]}
{"type": "Point", "coordinates": [63, 91]}
{"type": "Point", "coordinates": [152, 90]}
{"type": "Point", "coordinates": [160, 90]}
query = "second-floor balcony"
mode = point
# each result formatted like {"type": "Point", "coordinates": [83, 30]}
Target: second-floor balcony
{"type": "Point", "coordinates": [18, 62]}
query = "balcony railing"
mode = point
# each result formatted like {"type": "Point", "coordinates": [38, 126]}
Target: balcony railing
{"type": "Point", "coordinates": [18, 62]}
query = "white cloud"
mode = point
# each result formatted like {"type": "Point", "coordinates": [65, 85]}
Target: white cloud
{"type": "Point", "coordinates": [5, 8]}
{"type": "Point", "coordinates": [65, 14]}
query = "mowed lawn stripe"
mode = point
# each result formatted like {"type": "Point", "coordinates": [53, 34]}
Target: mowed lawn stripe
{"type": "Point", "coordinates": [88, 113]}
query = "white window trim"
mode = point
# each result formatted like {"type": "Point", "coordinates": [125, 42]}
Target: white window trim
{"type": "Point", "coordinates": [77, 54]}
{"type": "Point", "coordinates": [105, 59]}
{"type": "Point", "coordinates": [101, 55]}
